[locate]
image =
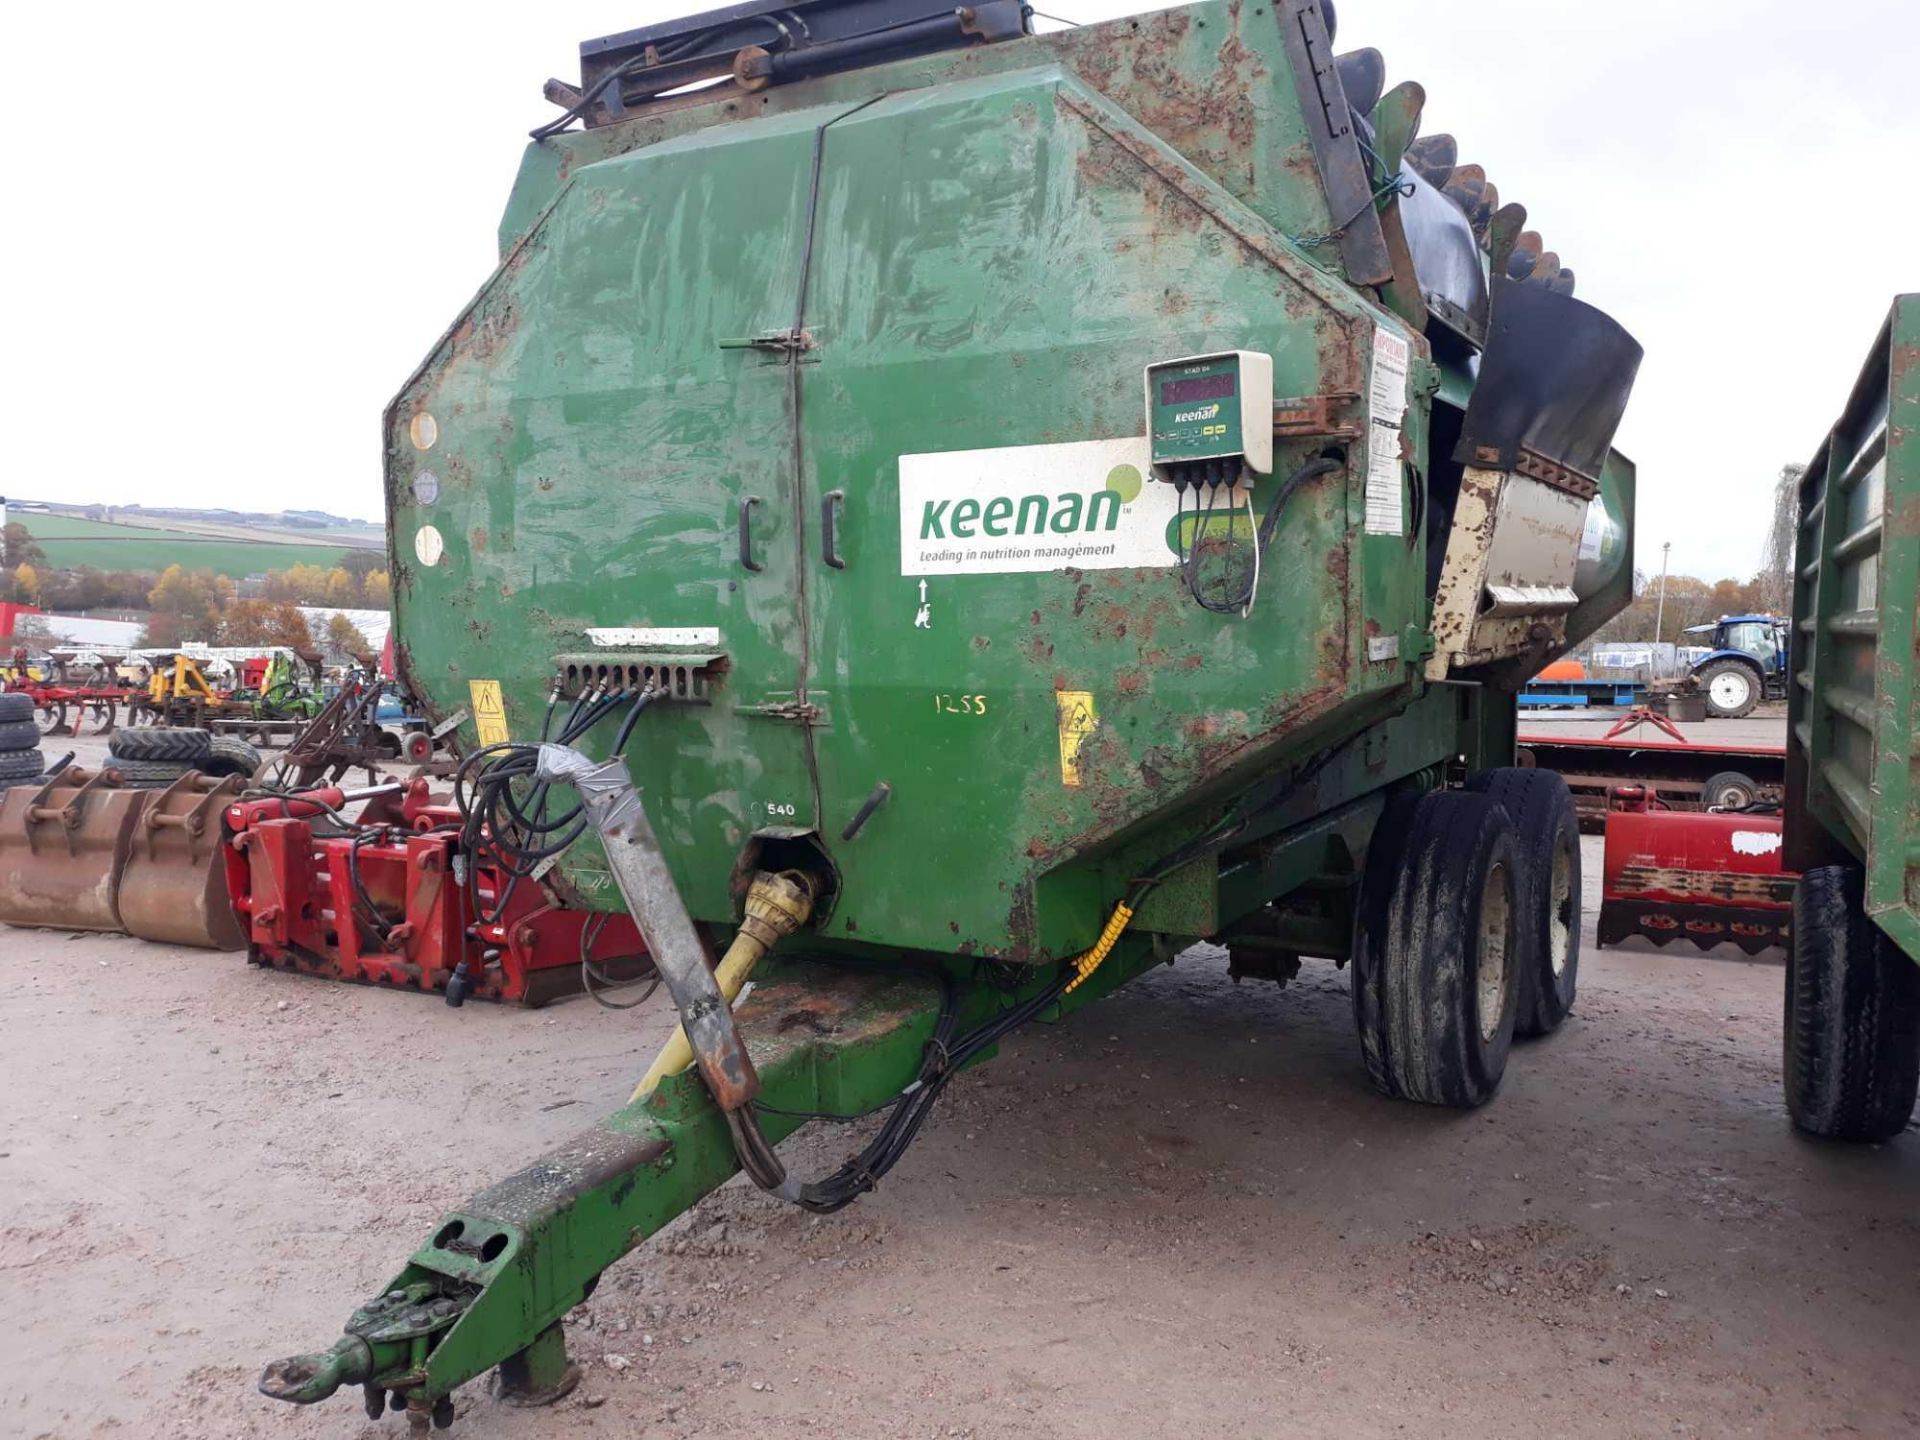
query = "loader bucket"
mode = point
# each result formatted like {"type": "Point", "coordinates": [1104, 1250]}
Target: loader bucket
{"type": "Point", "coordinates": [174, 889]}
{"type": "Point", "coordinates": [63, 849]}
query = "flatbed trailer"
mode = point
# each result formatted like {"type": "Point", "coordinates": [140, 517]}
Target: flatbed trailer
{"type": "Point", "coordinates": [1852, 1045]}
{"type": "Point", "coordinates": [1581, 694]}
{"type": "Point", "coordinates": [1682, 774]}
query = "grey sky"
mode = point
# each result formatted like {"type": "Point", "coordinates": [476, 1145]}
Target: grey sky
{"type": "Point", "coordinates": [234, 229]}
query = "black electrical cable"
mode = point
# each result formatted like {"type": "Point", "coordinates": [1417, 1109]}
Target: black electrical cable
{"type": "Point", "coordinates": [1236, 600]}
{"type": "Point", "coordinates": [597, 984]}
{"type": "Point", "coordinates": [371, 911]}
{"type": "Point", "coordinates": [515, 833]}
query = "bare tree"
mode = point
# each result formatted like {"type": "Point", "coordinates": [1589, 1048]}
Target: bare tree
{"type": "Point", "coordinates": [1776, 561]}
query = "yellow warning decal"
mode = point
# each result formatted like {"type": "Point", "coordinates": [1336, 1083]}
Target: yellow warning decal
{"type": "Point", "coordinates": [1078, 719]}
{"type": "Point", "coordinates": [489, 711]}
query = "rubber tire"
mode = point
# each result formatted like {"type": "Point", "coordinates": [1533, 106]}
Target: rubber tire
{"type": "Point", "coordinates": [1415, 966]}
{"type": "Point", "coordinates": [231, 756]}
{"type": "Point", "coordinates": [417, 748]}
{"type": "Point", "coordinates": [15, 706]}
{"type": "Point", "coordinates": [1755, 688]}
{"type": "Point", "coordinates": [1711, 793]}
{"type": "Point", "coordinates": [1850, 1050]}
{"type": "Point", "coordinates": [149, 774]}
{"type": "Point", "coordinates": [182, 746]}
{"type": "Point", "coordinates": [19, 735]}
{"type": "Point", "coordinates": [1544, 816]}
{"type": "Point", "coordinates": [19, 766]}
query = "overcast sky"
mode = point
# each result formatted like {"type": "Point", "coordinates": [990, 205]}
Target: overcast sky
{"type": "Point", "coordinates": [234, 229]}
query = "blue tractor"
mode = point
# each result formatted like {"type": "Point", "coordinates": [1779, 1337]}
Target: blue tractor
{"type": "Point", "coordinates": [1747, 664]}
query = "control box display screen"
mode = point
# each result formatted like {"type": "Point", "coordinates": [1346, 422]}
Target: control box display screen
{"type": "Point", "coordinates": [1194, 410]}
{"type": "Point", "coordinates": [1217, 386]}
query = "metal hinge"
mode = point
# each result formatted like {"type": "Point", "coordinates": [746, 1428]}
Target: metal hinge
{"type": "Point", "coordinates": [801, 712]}
{"type": "Point", "coordinates": [1316, 415]}
{"type": "Point", "coordinates": [780, 342]}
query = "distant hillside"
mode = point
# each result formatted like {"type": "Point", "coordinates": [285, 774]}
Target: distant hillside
{"type": "Point", "coordinates": [153, 544]}
{"type": "Point", "coordinates": [286, 527]}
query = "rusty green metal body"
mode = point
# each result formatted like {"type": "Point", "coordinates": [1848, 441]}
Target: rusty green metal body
{"type": "Point", "coordinates": [820, 407]}
{"type": "Point", "coordinates": [998, 241]}
{"type": "Point", "coordinates": [1853, 746]}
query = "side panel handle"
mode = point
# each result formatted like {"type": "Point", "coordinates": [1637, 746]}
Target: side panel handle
{"type": "Point", "coordinates": [747, 562]}
{"type": "Point", "coordinates": [829, 528]}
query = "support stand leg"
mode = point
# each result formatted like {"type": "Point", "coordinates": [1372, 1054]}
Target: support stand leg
{"type": "Point", "coordinates": [539, 1374]}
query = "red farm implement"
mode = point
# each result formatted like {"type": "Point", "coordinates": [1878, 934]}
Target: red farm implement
{"type": "Point", "coordinates": [1708, 876]}
{"type": "Point", "coordinates": [391, 898]}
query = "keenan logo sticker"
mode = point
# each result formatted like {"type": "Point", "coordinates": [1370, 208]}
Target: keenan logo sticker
{"type": "Point", "coordinates": [1086, 505]}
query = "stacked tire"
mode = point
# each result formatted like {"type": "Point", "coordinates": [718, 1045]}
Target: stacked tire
{"type": "Point", "coordinates": [153, 758]}
{"type": "Point", "coordinates": [20, 757]}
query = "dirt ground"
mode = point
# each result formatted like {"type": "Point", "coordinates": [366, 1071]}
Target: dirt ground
{"type": "Point", "coordinates": [1181, 1212]}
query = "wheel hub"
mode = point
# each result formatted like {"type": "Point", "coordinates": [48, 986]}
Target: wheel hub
{"type": "Point", "coordinates": [1561, 939]}
{"type": "Point", "coordinates": [1729, 689]}
{"type": "Point", "coordinates": [1496, 915]}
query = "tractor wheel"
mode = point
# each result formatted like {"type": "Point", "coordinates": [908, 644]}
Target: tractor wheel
{"type": "Point", "coordinates": [1435, 972]}
{"type": "Point", "coordinates": [1851, 1049]}
{"type": "Point", "coordinates": [1546, 890]}
{"type": "Point", "coordinates": [15, 706]}
{"type": "Point", "coordinates": [51, 718]}
{"type": "Point", "coordinates": [18, 735]}
{"type": "Point", "coordinates": [1731, 689]}
{"type": "Point", "coordinates": [178, 746]}
{"type": "Point", "coordinates": [229, 756]}
{"type": "Point", "coordinates": [18, 767]}
{"type": "Point", "coordinates": [1729, 790]}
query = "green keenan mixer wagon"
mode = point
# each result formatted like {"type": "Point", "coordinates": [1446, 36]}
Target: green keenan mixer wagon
{"type": "Point", "coordinates": [974, 513]}
{"type": "Point", "coordinates": [1852, 1045]}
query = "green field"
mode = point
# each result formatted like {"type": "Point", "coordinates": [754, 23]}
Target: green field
{"type": "Point", "coordinates": [70, 542]}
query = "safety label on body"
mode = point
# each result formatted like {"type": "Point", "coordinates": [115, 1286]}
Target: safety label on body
{"type": "Point", "coordinates": [1386, 406]}
{"type": "Point", "coordinates": [1078, 720]}
{"type": "Point", "coordinates": [489, 712]}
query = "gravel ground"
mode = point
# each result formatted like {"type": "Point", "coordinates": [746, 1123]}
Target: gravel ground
{"type": "Point", "coordinates": [1181, 1212]}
